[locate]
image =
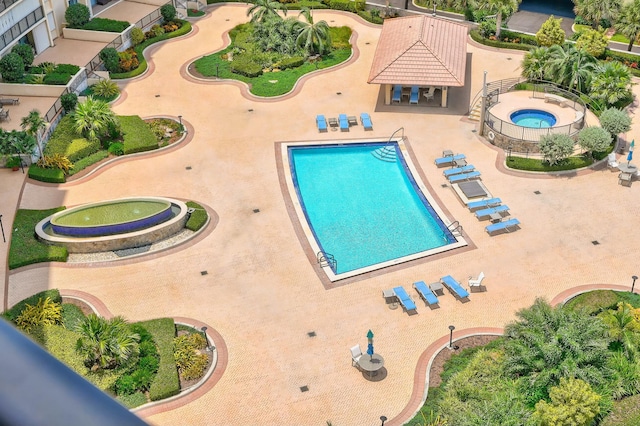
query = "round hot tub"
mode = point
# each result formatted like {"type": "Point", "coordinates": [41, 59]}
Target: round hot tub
{"type": "Point", "coordinates": [533, 118]}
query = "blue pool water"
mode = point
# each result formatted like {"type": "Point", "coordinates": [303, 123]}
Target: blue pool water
{"type": "Point", "coordinates": [533, 118]}
{"type": "Point", "coordinates": [363, 210]}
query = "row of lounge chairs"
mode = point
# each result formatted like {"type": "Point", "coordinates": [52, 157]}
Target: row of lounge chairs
{"type": "Point", "coordinates": [344, 122]}
{"type": "Point", "coordinates": [414, 94]}
{"type": "Point", "coordinates": [429, 293]}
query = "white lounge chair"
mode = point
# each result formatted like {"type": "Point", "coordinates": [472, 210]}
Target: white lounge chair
{"type": "Point", "coordinates": [611, 161]}
{"type": "Point", "coordinates": [430, 94]}
{"type": "Point", "coordinates": [356, 353]}
{"type": "Point", "coordinates": [477, 283]}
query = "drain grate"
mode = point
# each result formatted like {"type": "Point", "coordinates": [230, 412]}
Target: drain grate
{"type": "Point", "coordinates": [537, 192]}
{"type": "Point", "coordinates": [157, 96]}
{"type": "Point", "coordinates": [188, 168]}
{"type": "Point", "coordinates": [474, 131]}
{"type": "Point", "coordinates": [338, 93]}
{"type": "Point", "coordinates": [203, 272]}
{"type": "Point", "coordinates": [304, 388]}
{"type": "Point", "coordinates": [132, 251]}
{"type": "Point", "coordinates": [250, 110]}
{"type": "Point", "coordinates": [444, 185]}
{"type": "Point", "coordinates": [311, 334]}
{"type": "Point", "coordinates": [595, 242]}
{"type": "Point", "coordinates": [256, 210]}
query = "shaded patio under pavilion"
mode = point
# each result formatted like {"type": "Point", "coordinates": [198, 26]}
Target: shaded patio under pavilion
{"type": "Point", "coordinates": [423, 51]}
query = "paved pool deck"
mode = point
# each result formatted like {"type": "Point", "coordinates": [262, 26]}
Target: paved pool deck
{"type": "Point", "coordinates": [263, 295]}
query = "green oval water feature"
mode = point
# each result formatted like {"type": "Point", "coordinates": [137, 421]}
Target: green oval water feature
{"type": "Point", "coordinates": [111, 213]}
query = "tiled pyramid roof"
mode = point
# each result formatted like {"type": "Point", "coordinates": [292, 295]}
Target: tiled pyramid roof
{"type": "Point", "coordinates": [422, 51]}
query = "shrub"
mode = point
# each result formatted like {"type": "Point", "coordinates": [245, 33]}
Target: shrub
{"type": "Point", "coordinates": [137, 36]}
{"type": "Point", "coordinates": [45, 312]}
{"type": "Point", "coordinates": [190, 363]}
{"type": "Point", "coordinates": [573, 402]}
{"type": "Point", "coordinates": [476, 36]}
{"type": "Point", "coordinates": [81, 148]}
{"type": "Point", "coordinates": [555, 147]}
{"type": "Point", "coordinates": [487, 28]}
{"type": "Point", "coordinates": [349, 6]}
{"type": "Point", "coordinates": [293, 62]}
{"type": "Point", "coordinates": [615, 121]}
{"type": "Point", "coordinates": [48, 67]}
{"type": "Point", "coordinates": [69, 102]}
{"type": "Point", "coordinates": [46, 175]}
{"type": "Point", "coordinates": [594, 139]}
{"type": "Point", "coordinates": [62, 137]}
{"type": "Point", "coordinates": [53, 294]}
{"type": "Point", "coordinates": [116, 148]}
{"type": "Point", "coordinates": [198, 218]}
{"type": "Point", "coordinates": [105, 89]}
{"type": "Point", "coordinates": [594, 42]}
{"type": "Point", "coordinates": [55, 161]}
{"type": "Point", "coordinates": [244, 66]}
{"type": "Point", "coordinates": [25, 51]}
{"type": "Point", "coordinates": [128, 60]}
{"type": "Point", "coordinates": [66, 69]}
{"type": "Point", "coordinates": [170, 27]}
{"type": "Point", "coordinates": [12, 67]}
{"type": "Point", "coordinates": [77, 15]}
{"type": "Point", "coordinates": [168, 12]}
{"type": "Point", "coordinates": [156, 31]}
{"type": "Point", "coordinates": [71, 315]}
{"type": "Point", "coordinates": [87, 161]}
{"type": "Point", "coordinates": [166, 383]}
{"type": "Point", "coordinates": [57, 79]}
{"type": "Point", "coordinates": [551, 33]}
{"type": "Point", "coordinates": [138, 137]}
{"type": "Point", "coordinates": [111, 59]}
{"type": "Point", "coordinates": [106, 25]}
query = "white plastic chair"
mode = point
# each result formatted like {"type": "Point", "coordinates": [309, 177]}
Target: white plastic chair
{"type": "Point", "coordinates": [611, 161]}
{"type": "Point", "coordinates": [477, 282]}
{"type": "Point", "coordinates": [356, 353]}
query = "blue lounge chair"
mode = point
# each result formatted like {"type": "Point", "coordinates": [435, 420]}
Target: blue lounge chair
{"type": "Point", "coordinates": [448, 160]}
{"type": "Point", "coordinates": [426, 293]}
{"type": "Point", "coordinates": [415, 95]}
{"type": "Point", "coordinates": [397, 93]}
{"type": "Point", "coordinates": [502, 226]}
{"type": "Point", "coordinates": [404, 299]}
{"type": "Point", "coordinates": [464, 176]}
{"type": "Point", "coordinates": [365, 119]}
{"type": "Point", "coordinates": [454, 287]}
{"type": "Point", "coordinates": [321, 122]}
{"type": "Point", "coordinates": [491, 202]}
{"type": "Point", "coordinates": [458, 170]}
{"type": "Point", "coordinates": [485, 213]}
{"type": "Point", "coordinates": [344, 122]}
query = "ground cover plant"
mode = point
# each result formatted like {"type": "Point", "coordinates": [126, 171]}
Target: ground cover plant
{"type": "Point", "coordinates": [198, 218]}
{"type": "Point", "coordinates": [270, 54]}
{"type": "Point", "coordinates": [25, 248]}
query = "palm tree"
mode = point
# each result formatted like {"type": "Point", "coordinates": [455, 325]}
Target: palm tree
{"type": "Point", "coordinates": [623, 327]}
{"type": "Point", "coordinates": [597, 10]}
{"type": "Point", "coordinates": [106, 343]}
{"type": "Point", "coordinates": [535, 63]}
{"type": "Point", "coordinates": [32, 125]}
{"type": "Point", "coordinates": [611, 83]}
{"type": "Point", "coordinates": [628, 22]}
{"type": "Point", "coordinates": [573, 68]}
{"type": "Point", "coordinates": [313, 35]}
{"type": "Point", "coordinates": [263, 9]}
{"type": "Point", "coordinates": [92, 117]}
{"type": "Point", "coordinates": [501, 8]}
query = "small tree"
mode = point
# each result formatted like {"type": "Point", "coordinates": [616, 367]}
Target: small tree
{"type": "Point", "coordinates": [594, 139]}
{"type": "Point", "coordinates": [12, 67]}
{"type": "Point", "coordinates": [573, 402]}
{"type": "Point", "coordinates": [106, 343]}
{"type": "Point", "coordinates": [111, 59]}
{"type": "Point", "coordinates": [168, 12]}
{"type": "Point", "coordinates": [555, 147]}
{"type": "Point", "coordinates": [69, 102]}
{"type": "Point", "coordinates": [551, 32]}
{"type": "Point", "coordinates": [33, 124]}
{"type": "Point", "coordinates": [92, 117]}
{"type": "Point", "coordinates": [137, 36]}
{"type": "Point", "coordinates": [77, 15]}
{"type": "Point", "coordinates": [25, 51]}
{"type": "Point", "coordinates": [615, 121]}
{"type": "Point", "coordinates": [593, 41]}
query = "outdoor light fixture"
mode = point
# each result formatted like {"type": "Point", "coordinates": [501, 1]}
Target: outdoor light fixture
{"type": "Point", "coordinates": [451, 328]}
{"type": "Point", "coordinates": [204, 331]}
{"type": "Point", "coordinates": [5, 240]}
{"type": "Point", "coordinates": [383, 419]}
{"type": "Point", "coordinates": [634, 278]}
{"type": "Point", "coordinates": [180, 119]}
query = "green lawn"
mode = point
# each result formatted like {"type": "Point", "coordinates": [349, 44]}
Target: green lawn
{"type": "Point", "coordinates": [25, 247]}
{"type": "Point", "coordinates": [537, 165]}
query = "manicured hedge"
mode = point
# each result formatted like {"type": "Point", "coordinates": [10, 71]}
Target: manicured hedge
{"type": "Point", "coordinates": [348, 5]}
{"type": "Point", "coordinates": [186, 28]}
{"type": "Point", "coordinates": [88, 161]}
{"type": "Point", "coordinates": [198, 218]}
{"type": "Point", "coordinates": [166, 383]}
{"type": "Point", "coordinates": [58, 79]}
{"type": "Point", "coordinates": [629, 59]}
{"type": "Point", "coordinates": [13, 313]}
{"type": "Point", "coordinates": [46, 175]}
{"type": "Point", "coordinates": [245, 67]}
{"type": "Point", "coordinates": [106, 25]}
{"type": "Point", "coordinates": [62, 136]}
{"type": "Point", "coordinates": [138, 137]}
{"type": "Point", "coordinates": [81, 148]}
{"type": "Point", "coordinates": [292, 62]}
{"type": "Point", "coordinates": [67, 69]}
{"type": "Point", "coordinates": [475, 34]}
{"type": "Point", "coordinates": [25, 247]}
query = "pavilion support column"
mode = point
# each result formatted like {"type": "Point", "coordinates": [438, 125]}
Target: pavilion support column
{"type": "Point", "coordinates": [445, 93]}
{"type": "Point", "coordinates": [483, 104]}
{"type": "Point", "coordinates": [387, 94]}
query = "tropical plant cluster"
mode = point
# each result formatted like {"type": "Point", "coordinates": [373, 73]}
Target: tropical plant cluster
{"type": "Point", "coordinates": [133, 362]}
{"type": "Point", "coordinates": [190, 359]}
{"type": "Point", "coordinates": [16, 67]}
{"type": "Point", "coordinates": [554, 366]}
{"type": "Point", "coordinates": [14, 143]}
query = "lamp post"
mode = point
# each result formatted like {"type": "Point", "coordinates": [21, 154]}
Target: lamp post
{"type": "Point", "coordinates": [5, 240]}
{"type": "Point", "coordinates": [633, 284]}
{"type": "Point", "coordinates": [204, 331]}
{"type": "Point", "coordinates": [434, 7]}
{"type": "Point", "coordinates": [383, 419]}
{"type": "Point", "coordinates": [451, 328]}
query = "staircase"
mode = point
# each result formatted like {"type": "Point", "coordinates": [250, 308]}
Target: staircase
{"type": "Point", "coordinates": [474, 114]}
{"type": "Point", "coordinates": [326, 259]}
{"type": "Point", "coordinates": [386, 153]}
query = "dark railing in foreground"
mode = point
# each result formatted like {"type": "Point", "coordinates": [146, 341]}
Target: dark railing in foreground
{"type": "Point", "coordinates": [37, 389]}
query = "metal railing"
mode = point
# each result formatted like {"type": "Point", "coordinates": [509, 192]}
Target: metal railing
{"type": "Point", "coordinates": [22, 26]}
{"type": "Point", "coordinates": [496, 88]}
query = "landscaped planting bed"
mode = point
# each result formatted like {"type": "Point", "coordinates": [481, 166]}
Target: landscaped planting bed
{"type": "Point", "coordinates": [25, 248]}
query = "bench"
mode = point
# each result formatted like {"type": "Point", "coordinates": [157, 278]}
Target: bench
{"type": "Point", "coordinates": [9, 101]}
{"type": "Point", "coordinates": [548, 97]}
{"type": "Point", "coordinates": [4, 114]}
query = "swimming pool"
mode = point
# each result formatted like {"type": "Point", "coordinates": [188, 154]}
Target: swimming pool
{"type": "Point", "coordinates": [365, 212]}
{"type": "Point", "coordinates": [533, 118]}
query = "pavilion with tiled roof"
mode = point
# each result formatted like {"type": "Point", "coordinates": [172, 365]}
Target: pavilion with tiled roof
{"type": "Point", "coordinates": [423, 51]}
